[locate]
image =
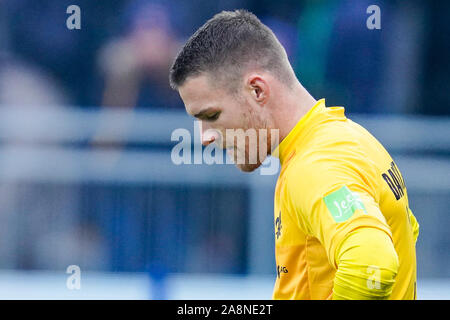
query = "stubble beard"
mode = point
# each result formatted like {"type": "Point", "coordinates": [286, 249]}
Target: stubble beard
{"type": "Point", "coordinates": [261, 147]}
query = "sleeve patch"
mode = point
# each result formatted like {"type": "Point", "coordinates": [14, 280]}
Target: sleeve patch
{"type": "Point", "coordinates": [343, 203]}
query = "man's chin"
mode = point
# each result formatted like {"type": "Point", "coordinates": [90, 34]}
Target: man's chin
{"type": "Point", "coordinates": [248, 167]}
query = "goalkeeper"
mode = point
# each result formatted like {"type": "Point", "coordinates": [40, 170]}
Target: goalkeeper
{"type": "Point", "coordinates": [343, 227]}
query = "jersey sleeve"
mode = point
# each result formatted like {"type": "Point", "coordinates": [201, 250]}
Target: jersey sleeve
{"type": "Point", "coordinates": [331, 200]}
{"type": "Point", "coordinates": [368, 265]}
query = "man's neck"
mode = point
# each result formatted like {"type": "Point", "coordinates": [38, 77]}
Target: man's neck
{"type": "Point", "coordinates": [295, 104]}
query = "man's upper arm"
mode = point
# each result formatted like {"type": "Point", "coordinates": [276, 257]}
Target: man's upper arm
{"type": "Point", "coordinates": [367, 266]}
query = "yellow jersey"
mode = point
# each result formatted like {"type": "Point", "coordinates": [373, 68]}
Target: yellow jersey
{"type": "Point", "coordinates": [335, 178]}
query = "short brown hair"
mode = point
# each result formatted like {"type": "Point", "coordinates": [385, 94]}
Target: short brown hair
{"type": "Point", "coordinates": [225, 45]}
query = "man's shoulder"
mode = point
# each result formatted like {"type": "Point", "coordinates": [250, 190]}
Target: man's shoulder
{"type": "Point", "coordinates": [333, 141]}
{"type": "Point", "coordinates": [330, 149]}
{"type": "Point", "coordinates": [340, 130]}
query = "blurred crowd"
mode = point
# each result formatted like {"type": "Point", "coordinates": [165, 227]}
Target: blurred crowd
{"type": "Point", "coordinates": [121, 55]}
{"type": "Point", "coordinates": [120, 59]}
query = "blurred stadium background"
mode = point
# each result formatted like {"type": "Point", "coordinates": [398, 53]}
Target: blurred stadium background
{"type": "Point", "coordinates": [86, 118]}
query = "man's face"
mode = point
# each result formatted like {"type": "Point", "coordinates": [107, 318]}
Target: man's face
{"type": "Point", "coordinates": [220, 114]}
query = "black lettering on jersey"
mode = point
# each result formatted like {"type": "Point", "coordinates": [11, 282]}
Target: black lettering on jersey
{"type": "Point", "coordinates": [391, 185]}
{"type": "Point", "coordinates": [399, 176]}
{"type": "Point", "coordinates": [395, 181]}
{"type": "Point", "coordinates": [280, 270]}
{"type": "Point", "coordinates": [278, 225]}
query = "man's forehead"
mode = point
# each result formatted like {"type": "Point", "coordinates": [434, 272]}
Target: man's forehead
{"type": "Point", "coordinates": [197, 93]}
{"type": "Point", "coordinates": [196, 85]}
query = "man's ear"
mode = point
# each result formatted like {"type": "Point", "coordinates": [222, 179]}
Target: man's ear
{"type": "Point", "coordinates": [258, 88]}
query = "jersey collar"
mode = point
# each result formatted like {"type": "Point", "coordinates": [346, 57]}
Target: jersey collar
{"type": "Point", "coordinates": [287, 145]}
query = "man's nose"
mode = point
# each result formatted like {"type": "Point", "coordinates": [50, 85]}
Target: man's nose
{"type": "Point", "coordinates": [208, 135]}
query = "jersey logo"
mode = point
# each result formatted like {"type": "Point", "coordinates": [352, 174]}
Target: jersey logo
{"type": "Point", "coordinates": [278, 226]}
{"type": "Point", "coordinates": [280, 270]}
{"type": "Point", "coordinates": [343, 203]}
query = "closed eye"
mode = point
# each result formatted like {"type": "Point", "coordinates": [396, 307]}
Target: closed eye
{"type": "Point", "coordinates": [212, 117]}
{"type": "Point", "coordinates": [209, 114]}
